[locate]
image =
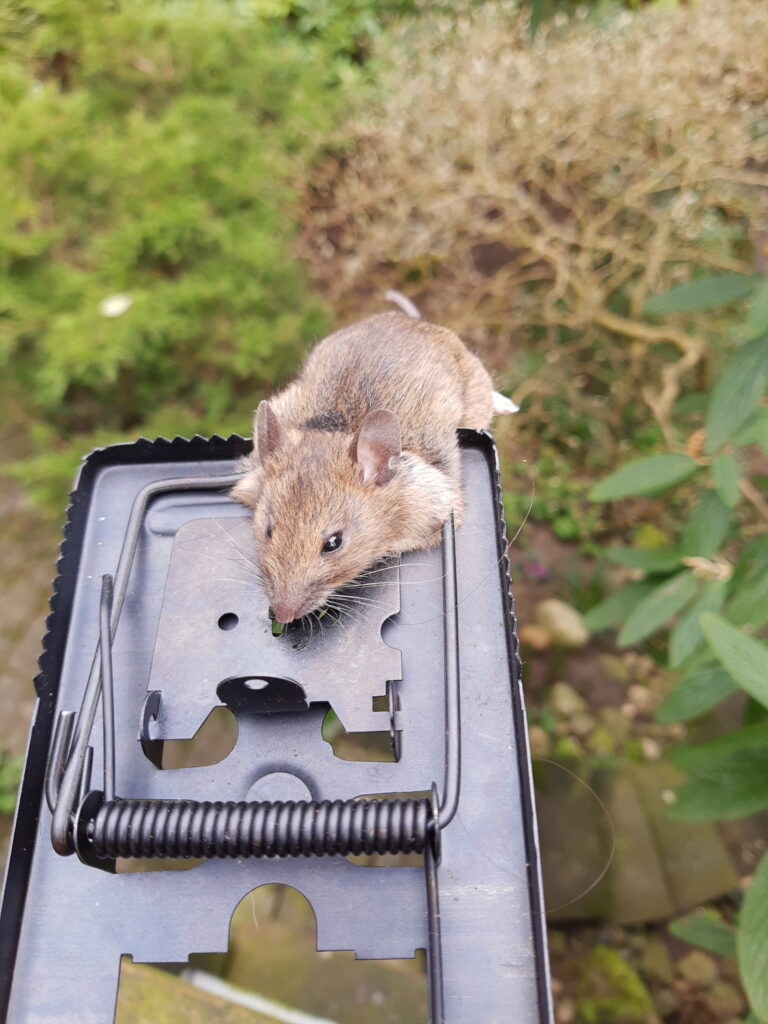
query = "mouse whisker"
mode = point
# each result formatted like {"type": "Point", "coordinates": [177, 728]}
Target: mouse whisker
{"type": "Point", "coordinates": [372, 570]}
{"type": "Point", "coordinates": [250, 570]}
{"type": "Point", "coordinates": [232, 579]}
{"type": "Point", "coordinates": [251, 575]}
{"type": "Point", "coordinates": [394, 565]}
{"type": "Point", "coordinates": [248, 556]}
{"type": "Point", "coordinates": [350, 590]}
{"type": "Point", "coordinates": [245, 564]}
{"type": "Point", "coordinates": [356, 584]}
{"type": "Point", "coordinates": [351, 599]}
{"type": "Point", "coordinates": [343, 611]}
{"type": "Point", "coordinates": [339, 619]}
{"type": "Point", "coordinates": [304, 622]}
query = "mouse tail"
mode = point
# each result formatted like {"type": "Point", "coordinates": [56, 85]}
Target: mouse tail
{"type": "Point", "coordinates": [503, 405]}
{"type": "Point", "coordinates": [403, 302]}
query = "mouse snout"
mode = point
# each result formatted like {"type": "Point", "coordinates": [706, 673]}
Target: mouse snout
{"type": "Point", "coordinates": [288, 605]}
{"type": "Point", "coordinates": [285, 613]}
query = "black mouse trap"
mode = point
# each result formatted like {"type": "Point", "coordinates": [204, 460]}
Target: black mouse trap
{"type": "Point", "coordinates": [156, 620]}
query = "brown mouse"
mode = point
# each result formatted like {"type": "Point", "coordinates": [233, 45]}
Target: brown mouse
{"type": "Point", "coordinates": [358, 459]}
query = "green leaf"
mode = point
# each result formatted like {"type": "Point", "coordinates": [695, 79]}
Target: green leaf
{"type": "Point", "coordinates": [749, 605]}
{"type": "Point", "coordinates": [707, 528]}
{"type": "Point", "coordinates": [725, 470]}
{"type": "Point", "coordinates": [695, 757]}
{"type": "Point", "coordinates": [702, 293]}
{"type": "Point", "coordinates": [758, 548]}
{"type": "Point", "coordinates": [731, 787]}
{"type": "Point", "coordinates": [753, 712]}
{"type": "Point", "coordinates": [752, 941]}
{"type": "Point", "coordinates": [745, 659]}
{"type": "Point", "coordinates": [757, 317]}
{"type": "Point", "coordinates": [654, 610]}
{"type": "Point", "coordinates": [644, 476]}
{"type": "Point", "coordinates": [648, 559]}
{"type": "Point", "coordinates": [754, 430]}
{"type": "Point", "coordinates": [749, 587]}
{"type": "Point", "coordinates": [540, 9]}
{"type": "Point", "coordinates": [696, 694]}
{"type": "Point", "coordinates": [737, 392]}
{"type": "Point", "coordinates": [687, 634]}
{"type": "Point", "coordinates": [614, 609]}
{"type": "Point", "coordinates": [707, 930]}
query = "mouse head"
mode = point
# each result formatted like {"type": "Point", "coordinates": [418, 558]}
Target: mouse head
{"type": "Point", "coordinates": [327, 505]}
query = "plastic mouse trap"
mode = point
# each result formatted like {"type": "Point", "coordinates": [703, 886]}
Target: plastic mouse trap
{"type": "Point", "coordinates": [157, 618]}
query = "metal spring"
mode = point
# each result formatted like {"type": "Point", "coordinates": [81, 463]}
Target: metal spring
{"type": "Point", "coordinates": [190, 828]}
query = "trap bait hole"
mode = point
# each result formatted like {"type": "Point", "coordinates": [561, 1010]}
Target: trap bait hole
{"type": "Point", "coordinates": [228, 621]}
{"type": "Point", "coordinates": [272, 953]}
{"type": "Point", "coordinates": [261, 695]}
{"type": "Point", "coordinates": [356, 746]}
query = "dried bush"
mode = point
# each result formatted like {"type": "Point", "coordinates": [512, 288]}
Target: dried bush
{"type": "Point", "coordinates": [533, 195]}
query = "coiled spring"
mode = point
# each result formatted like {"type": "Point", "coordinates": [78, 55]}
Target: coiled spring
{"type": "Point", "coordinates": [190, 828]}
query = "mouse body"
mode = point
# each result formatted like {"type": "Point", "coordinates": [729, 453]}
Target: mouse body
{"type": "Point", "coordinates": [358, 458]}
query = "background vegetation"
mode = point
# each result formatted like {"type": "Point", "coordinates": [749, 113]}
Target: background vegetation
{"type": "Point", "coordinates": [194, 191]}
{"type": "Point", "coordinates": [152, 162]}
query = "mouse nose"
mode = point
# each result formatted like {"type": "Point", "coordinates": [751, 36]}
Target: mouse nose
{"type": "Point", "coordinates": [283, 614]}
{"type": "Point", "coordinates": [286, 611]}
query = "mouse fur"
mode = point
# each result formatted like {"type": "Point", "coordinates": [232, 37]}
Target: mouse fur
{"type": "Point", "coordinates": [358, 457]}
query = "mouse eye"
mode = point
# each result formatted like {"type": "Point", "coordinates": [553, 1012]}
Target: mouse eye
{"type": "Point", "coordinates": [333, 543]}
{"type": "Point", "coordinates": [268, 531]}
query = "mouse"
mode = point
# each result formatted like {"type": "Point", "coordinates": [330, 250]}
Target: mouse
{"type": "Point", "coordinates": [357, 459]}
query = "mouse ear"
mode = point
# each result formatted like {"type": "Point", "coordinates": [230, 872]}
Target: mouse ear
{"type": "Point", "coordinates": [376, 446]}
{"type": "Point", "coordinates": [269, 434]}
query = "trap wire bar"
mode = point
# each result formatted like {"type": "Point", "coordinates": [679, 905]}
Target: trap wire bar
{"type": "Point", "coordinates": [100, 826]}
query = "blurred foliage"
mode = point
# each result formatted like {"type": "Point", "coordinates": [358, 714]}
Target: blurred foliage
{"type": "Point", "coordinates": [347, 28]}
{"type": "Point", "coordinates": [711, 582]}
{"type": "Point", "coordinates": [151, 161]}
{"type": "Point", "coordinates": [10, 776]}
{"type": "Point", "coordinates": [541, 10]}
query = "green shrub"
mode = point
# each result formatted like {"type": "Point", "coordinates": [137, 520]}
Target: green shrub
{"type": "Point", "coordinates": [151, 162]}
{"type": "Point", "coordinates": [348, 28]}
{"type": "Point", "coordinates": [10, 776]}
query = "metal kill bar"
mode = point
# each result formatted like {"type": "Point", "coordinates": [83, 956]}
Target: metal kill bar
{"type": "Point", "coordinates": [69, 786]}
{"type": "Point", "coordinates": [105, 826]}
{"type": "Point", "coordinates": [107, 687]}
